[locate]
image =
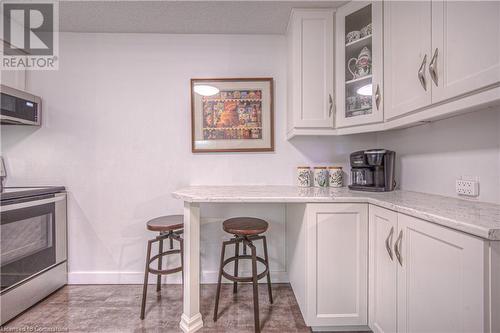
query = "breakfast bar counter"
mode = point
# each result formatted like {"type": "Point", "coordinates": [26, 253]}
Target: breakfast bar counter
{"type": "Point", "coordinates": [476, 218]}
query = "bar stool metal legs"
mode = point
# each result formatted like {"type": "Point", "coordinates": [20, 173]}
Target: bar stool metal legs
{"type": "Point", "coordinates": [266, 258]}
{"type": "Point", "coordinates": [255, 288]}
{"type": "Point", "coordinates": [158, 278]}
{"type": "Point", "coordinates": [217, 295]}
{"type": "Point", "coordinates": [145, 286]}
{"type": "Point", "coordinates": [247, 241]}
{"type": "Point", "coordinates": [171, 236]}
{"type": "Point", "coordinates": [236, 254]}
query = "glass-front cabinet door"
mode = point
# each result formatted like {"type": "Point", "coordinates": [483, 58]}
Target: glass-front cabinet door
{"type": "Point", "coordinates": [359, 64]}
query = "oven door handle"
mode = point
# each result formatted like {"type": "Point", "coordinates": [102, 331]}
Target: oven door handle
{"type": "Point", "coordinates": [56, 198]}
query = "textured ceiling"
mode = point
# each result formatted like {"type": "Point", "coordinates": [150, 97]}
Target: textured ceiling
{"type": "Point", "coordinates": [181, 17]}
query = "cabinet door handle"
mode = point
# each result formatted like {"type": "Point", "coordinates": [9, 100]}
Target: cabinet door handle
{"type": "Point", "coordinates": [388, 242]}
{"type": "Point", "coordinates": [330, 100]}
{"type": "Point", "coordinates": [377, 97]}
{"type": "Point", "coordinates": [421, 73]}
{"type": "Point", "coordinates": [432, 68]}
{"type": "Point", "coordinates": [397, 247]}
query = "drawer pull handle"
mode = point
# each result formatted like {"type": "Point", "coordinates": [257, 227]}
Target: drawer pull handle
{"type": "Point", "coordinates": [388, 242]}
{"type": "Point", "coordinates": [397, 247]}
{"type": "Point", "coordinates": [377, 97]}
{"type": "Point", "coordinates": [330, 100]}
{"type": "Point", "coordinates": [421, 73]}
{"type": "Point", "coordinates": [432, 68]}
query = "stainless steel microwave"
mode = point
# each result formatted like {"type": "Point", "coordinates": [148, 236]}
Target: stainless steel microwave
{"type": "Point", "coordinates": [20, 107]}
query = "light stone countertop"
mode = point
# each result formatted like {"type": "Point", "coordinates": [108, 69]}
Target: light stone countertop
{"type": "Point", "coordinates": [477, 218]}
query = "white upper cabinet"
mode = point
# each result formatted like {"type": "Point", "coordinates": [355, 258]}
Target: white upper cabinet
{"type": "Point", "coordinates": [437, 51]}
{"type": "Point", "coordinates": [397, 63]}
{"type": "Point", "coordinates": [310, 69]}
{"type": "Point", "coordinates": [407, 47]}
{"type": "Point", "coordinates": [359, 60]}
{"type": "Point", "coordinates": [465, 47]}
{"type": "Point", "coordinates": [14, 78]}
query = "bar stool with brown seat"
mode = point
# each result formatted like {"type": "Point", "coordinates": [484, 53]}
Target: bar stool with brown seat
{"type": "Point", "coordinates": [245, 230]}
{"type": "Point", "coordinates": [170, 228]}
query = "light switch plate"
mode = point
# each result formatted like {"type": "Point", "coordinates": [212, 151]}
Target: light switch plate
{"type": "Point", "coordinates": [466, 187]}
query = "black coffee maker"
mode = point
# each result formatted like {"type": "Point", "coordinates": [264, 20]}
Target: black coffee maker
{"type": "Point", "coordinates": [373, 170]}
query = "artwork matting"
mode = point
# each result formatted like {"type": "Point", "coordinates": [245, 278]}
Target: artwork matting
{"type": "Point", "coordinates": [239, 118]}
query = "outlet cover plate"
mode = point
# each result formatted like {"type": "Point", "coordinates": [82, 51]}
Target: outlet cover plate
{"type": "Point", "coordinates": [469, 188]}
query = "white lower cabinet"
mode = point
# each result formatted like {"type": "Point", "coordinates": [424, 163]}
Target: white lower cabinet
{"type": "Point", "coordinates": [338, 239]}
{"type": "Point", "coordinates": [424, 277]}
{"type": "Point", "coordinates": [383, 270]}
{"type": "Point", "coordinates": [354, 266]}
{"type": "Point", "coordinates": [441, 279]}
{"type": "Point", "coordinates": [328, 262]}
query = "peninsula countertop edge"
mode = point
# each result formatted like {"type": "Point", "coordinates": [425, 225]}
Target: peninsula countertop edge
{"type": "Point", "coordinates": [477, 218]}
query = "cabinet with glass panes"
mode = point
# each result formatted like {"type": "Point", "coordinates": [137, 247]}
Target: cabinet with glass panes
{"type": "Point", "coordinates": [359, 51]}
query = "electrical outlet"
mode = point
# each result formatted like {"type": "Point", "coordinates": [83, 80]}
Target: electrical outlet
{"type": "Point", "coordinates": [469, 188]}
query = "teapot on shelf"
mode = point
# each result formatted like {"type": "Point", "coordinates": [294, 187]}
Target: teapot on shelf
{"type": "Point", "coordinates": [362, 64]}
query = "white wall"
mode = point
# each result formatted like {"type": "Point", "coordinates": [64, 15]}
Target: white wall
{"type": "Point", "coordinates": [116, 132]}
{"type": "Point", "coordinates": [432, 156]}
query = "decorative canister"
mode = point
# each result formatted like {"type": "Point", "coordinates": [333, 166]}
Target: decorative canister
{"type": "Point", "coordinates": [336, 176]}
{"type": "Point", "coordinates": [320, 177]}
{"type": "Point", "coordinates": [303, 176]}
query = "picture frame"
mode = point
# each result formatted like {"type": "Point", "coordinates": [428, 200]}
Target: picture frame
{"type": "Point", "coordinates": [232, 115]}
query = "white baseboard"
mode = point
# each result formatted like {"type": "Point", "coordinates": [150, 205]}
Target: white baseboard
{"type": "Point", "coordinates": [340, 328]}
{"type": "Point", "coordinates": [114, 277]}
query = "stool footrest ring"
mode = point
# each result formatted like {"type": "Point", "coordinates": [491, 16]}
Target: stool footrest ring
{"type": "Point", "coordinates": [244, 278]}
{"type": "Point", "coordinates": [166, 253]}
{"type": "Point", "coordinates": [164, 271]}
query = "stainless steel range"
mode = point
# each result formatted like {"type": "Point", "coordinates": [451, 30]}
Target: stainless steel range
{"type": "Point", "coordinates": [33, 250]}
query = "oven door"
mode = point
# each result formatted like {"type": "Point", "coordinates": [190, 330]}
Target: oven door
{"type": "Point", "coordinates": [33, 237]}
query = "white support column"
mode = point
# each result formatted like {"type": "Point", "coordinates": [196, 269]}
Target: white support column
{"type": "Point", "coordinates": [191, 320]}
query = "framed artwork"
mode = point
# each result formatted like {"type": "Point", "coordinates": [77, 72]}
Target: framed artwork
{"type": "Point", "coordinates": [232, 115]}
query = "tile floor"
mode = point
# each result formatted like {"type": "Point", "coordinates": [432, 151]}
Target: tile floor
{"type": "Point", "coordinates": [115, 308]}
